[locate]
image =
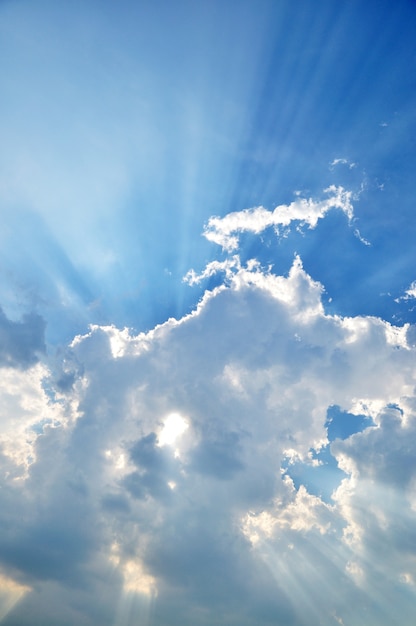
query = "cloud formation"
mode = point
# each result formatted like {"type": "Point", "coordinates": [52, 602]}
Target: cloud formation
{"type": "Point", "coordinates": [22, 342]}
{"type": "Point", "coordinates": [410, 292]}
{"type": "Point", "coordinates": [150, 487]}
{"type": "Point", "coordinates": [225, 230]}
{"type": "Point", "coordinates": [342, 161]}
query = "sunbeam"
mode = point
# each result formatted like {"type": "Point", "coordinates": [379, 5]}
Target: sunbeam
{"type": "Point", "coordinates": [10, 594]}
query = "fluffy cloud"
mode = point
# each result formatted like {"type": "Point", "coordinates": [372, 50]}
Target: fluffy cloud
{"type": "Point", "coordinates": [144, 483]}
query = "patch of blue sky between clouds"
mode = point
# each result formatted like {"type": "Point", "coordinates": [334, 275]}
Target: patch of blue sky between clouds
{"type": "Point", "coordinates": [320, 474]}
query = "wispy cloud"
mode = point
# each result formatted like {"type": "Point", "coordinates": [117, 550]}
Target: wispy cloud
{"type": "Point", "coordinates": [361, 238]}
{"type": "Point", "coordinates": [225, 230]}
{"type": "Point", "coordinates": [411, 292]}
{"type": "Point", "coordinates": [351, 165]}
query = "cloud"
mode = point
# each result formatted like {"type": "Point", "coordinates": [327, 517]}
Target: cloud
{"type": "Point", "coordinates": [225, 230]}
{"type": "Point", "coordinates": [410, 293]}
{"type": "Point", "coordinates": [151, 488]}
{"type": "Point", "coordinates": [21, 342]}
{"type": "Point", "coordinates": [379, 506]}
{"type": "Point", "coordinates": [335, 162]}
{"type": "Point", "coordinates": [361, 238]}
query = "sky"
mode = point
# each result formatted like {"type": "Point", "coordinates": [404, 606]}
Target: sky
{"type": "Point", "coordinates": [207, 313]}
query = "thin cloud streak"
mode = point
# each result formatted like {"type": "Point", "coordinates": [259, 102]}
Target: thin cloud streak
{"type": "Point", "coordinates": [224, 231]}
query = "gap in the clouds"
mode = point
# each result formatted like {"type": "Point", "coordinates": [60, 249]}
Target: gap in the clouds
{"type": "Point", "coordinates": [358, 279]}
{"type": "Point", "coordinates": [321, 475]}
{"type": "Point", "coordinates": [341, 424]}
{"type": "Point", "coordinates": [362, 279]}
{"type": "Point", "coordinates": [274, 252]}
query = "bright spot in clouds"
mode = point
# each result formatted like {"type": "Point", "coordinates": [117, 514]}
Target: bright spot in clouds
{"type": "Point", "coordinates": [135, 579]}
{"type": "Point", "coordinates": [174, 426]}
{"type": "Point", "coordinates": [10, 594]}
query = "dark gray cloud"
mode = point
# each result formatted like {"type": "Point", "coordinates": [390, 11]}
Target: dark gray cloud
{"type": "Point", "coordinates": [220, 457]}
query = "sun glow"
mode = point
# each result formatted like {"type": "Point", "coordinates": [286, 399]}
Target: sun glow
{"type": "Point", "coordinates": [174, 426]}
{"type": "Point", "coordinates": [10, 593]}
{"type": "Point", "coordinates": [135, 578]}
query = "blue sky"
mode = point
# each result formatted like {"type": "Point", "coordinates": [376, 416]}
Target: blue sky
{"type": "Point", "coordinates": [207, 329]}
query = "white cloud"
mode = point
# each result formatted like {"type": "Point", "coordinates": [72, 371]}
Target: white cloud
{"type": "Point", "coordinates": [342, 161]}
{"type": "Point", "coordinates": [361, 238]}
{"type": "Point", "coordinates": [225, 230]}
{"type": "Point", "coordinates": [410, 292]}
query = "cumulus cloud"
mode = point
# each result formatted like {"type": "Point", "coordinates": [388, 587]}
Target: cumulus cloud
{"type": "Point", "coordinates": [151, 488]}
